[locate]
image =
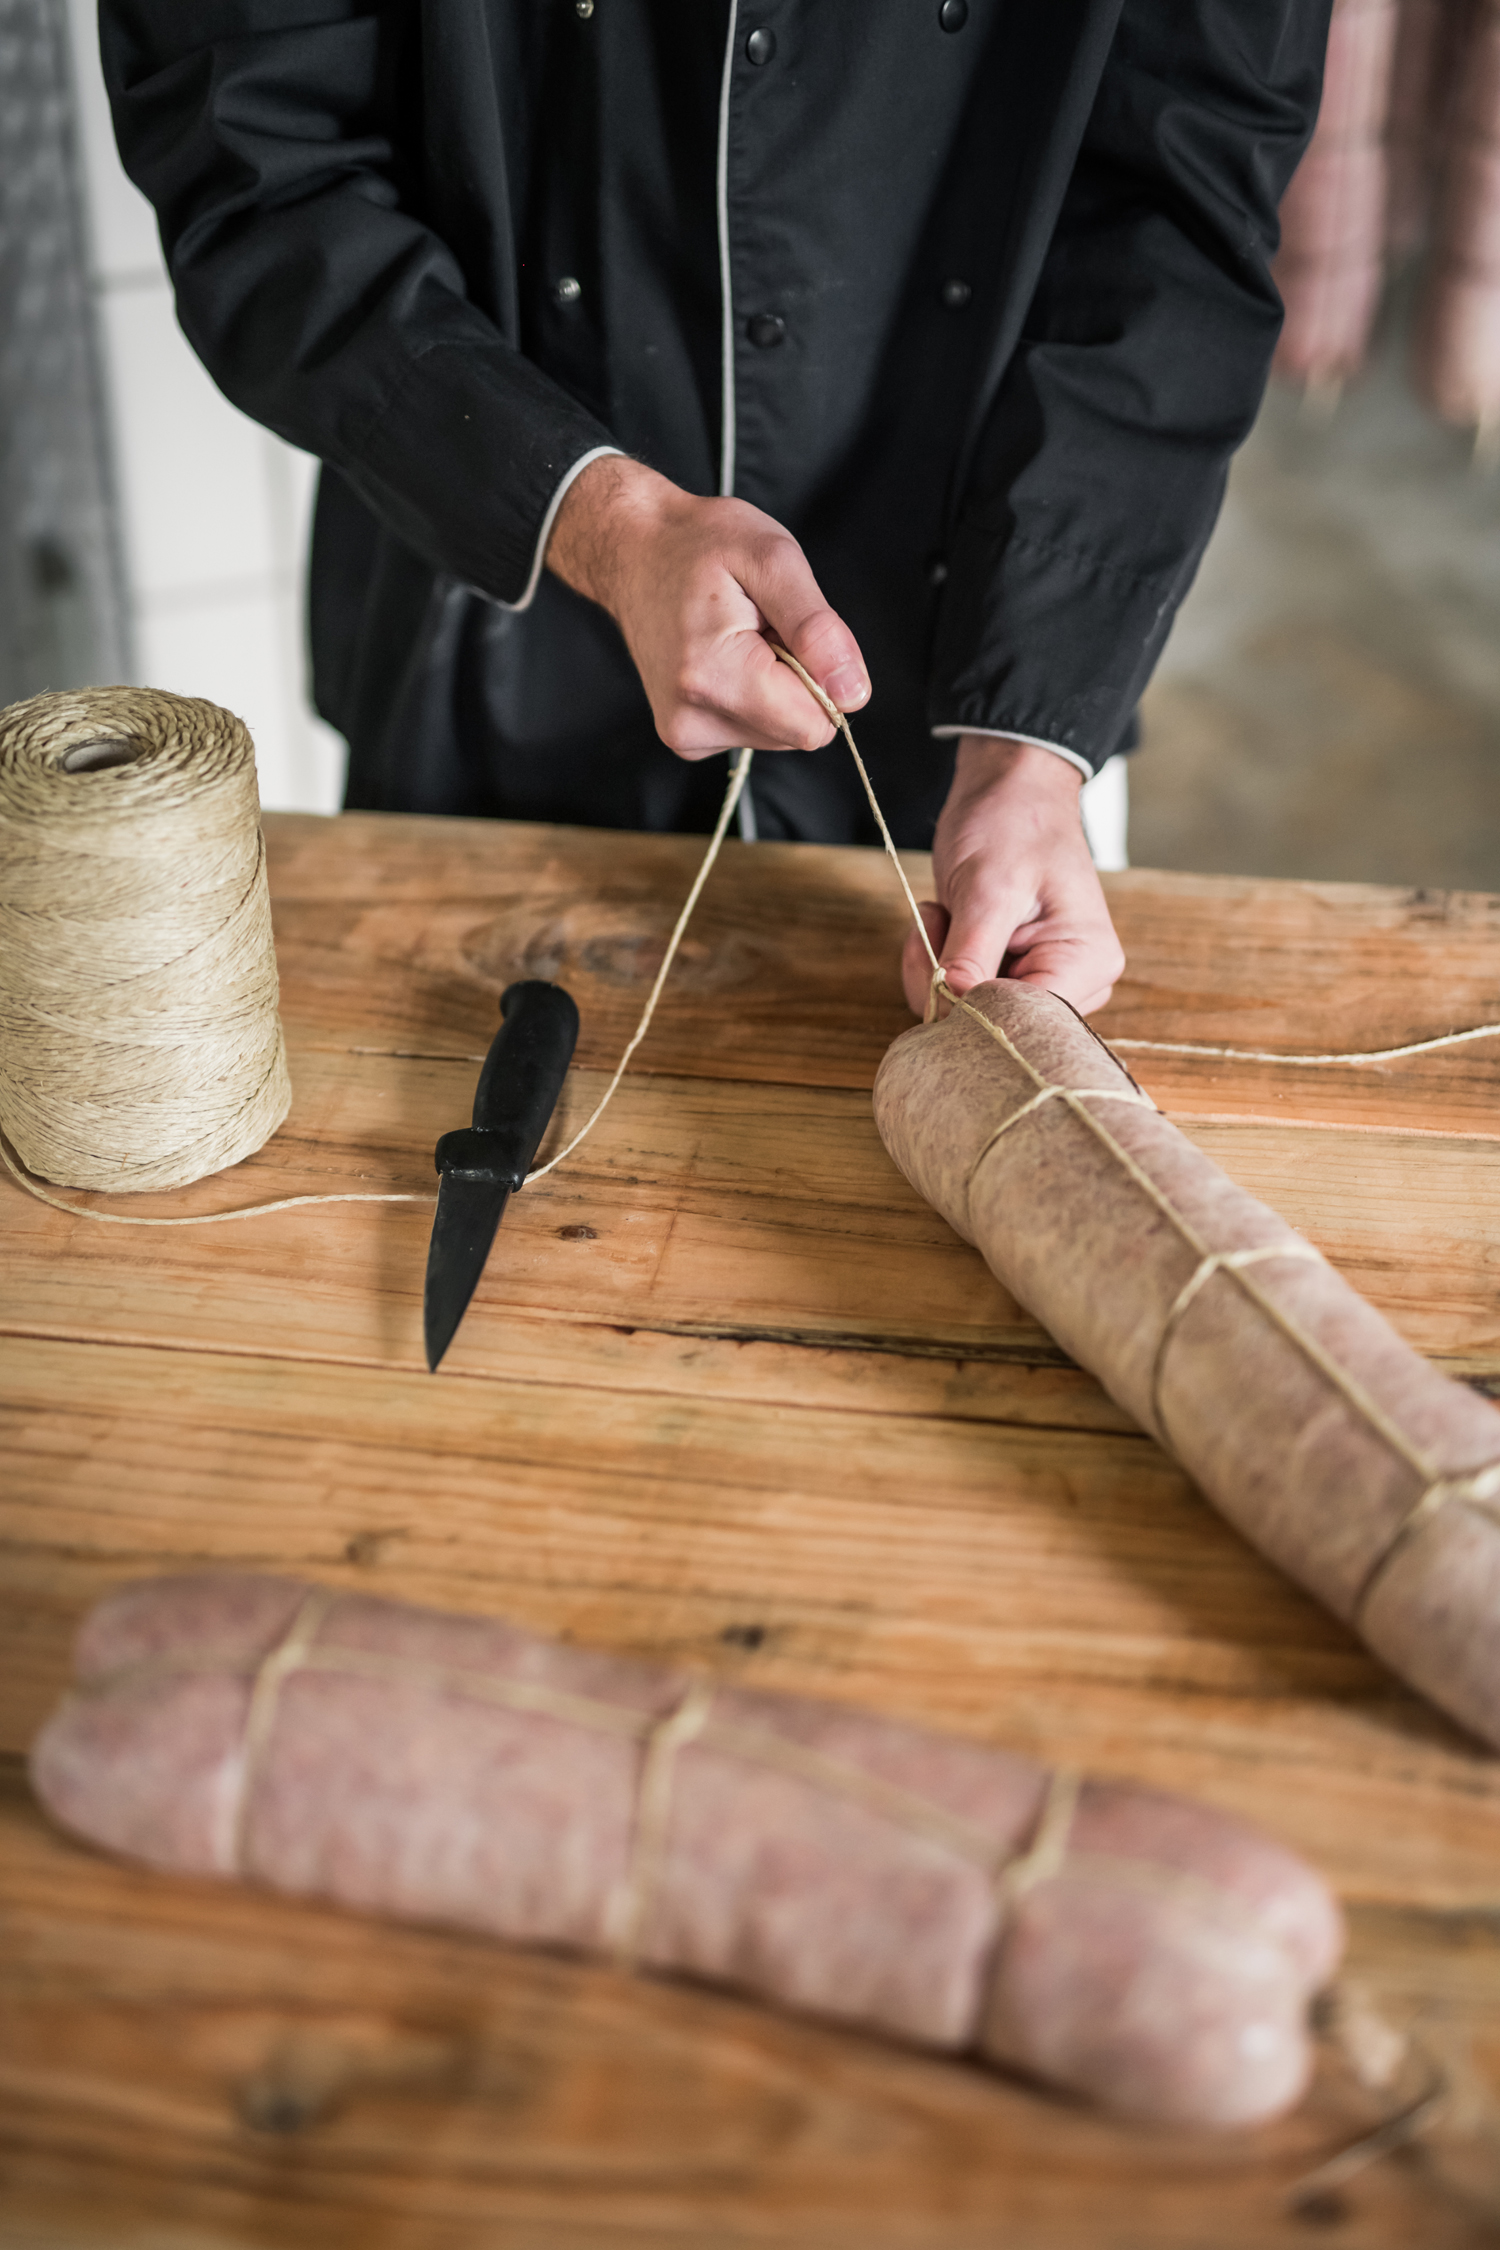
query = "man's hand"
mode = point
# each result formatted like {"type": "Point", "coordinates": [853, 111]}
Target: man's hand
{"type": "Point", "coordinates": [693, 585]}
{"type": "Point", "coordinates": [1017, 891]}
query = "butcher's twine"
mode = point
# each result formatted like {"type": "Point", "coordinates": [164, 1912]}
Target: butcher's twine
{"type": "Point", "coordinates": [1048, 1852]}
{"type": "Point", "coordinates": [190, 747]}
{"type": "Point", "coordinates": [140, 1048]}
{"type": "Point", "coordinates": [1374, 2052]}
{"type": "Point", "coordinates": [1438, 1488]}
{"type": "Point", "coordinates": [140, 1045]}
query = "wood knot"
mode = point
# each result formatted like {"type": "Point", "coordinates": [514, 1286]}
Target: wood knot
{"type": "Point", "coordinates": [745, 1636]}
{"type": "Point", "coordinates": [614, 944]}
{"type": "Point", "coordinates": [369, 1547]}
{"type": "Point", "coordinates": [578, 1234]}
{"type": "Point", "coordinates": [1324, 2209]}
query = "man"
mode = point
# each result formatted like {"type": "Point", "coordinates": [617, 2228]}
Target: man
{"type": "Point", "coordinates": [917, 333]}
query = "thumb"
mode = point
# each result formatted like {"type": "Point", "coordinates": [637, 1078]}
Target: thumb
{"type": "Point", "coordinates": [979, 936]}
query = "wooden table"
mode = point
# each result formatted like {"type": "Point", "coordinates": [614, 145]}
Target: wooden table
{"type": "Point", "coordinates": [729, 1394]}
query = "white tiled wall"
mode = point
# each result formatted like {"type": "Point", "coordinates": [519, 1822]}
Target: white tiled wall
{"type": "Point", "coordinates": [215, 509]}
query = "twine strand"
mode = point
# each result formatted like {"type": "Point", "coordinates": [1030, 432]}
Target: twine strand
{"type": "Point", "coordinates": [739, 774]}
{"type": "Point", "coordinates": [289, 1655]}
{"type": "Point", "coordinates": [1309, 1062]}
{"type": "Point", "coordinates": [1044, 1855]}
{"type": "Point", "coordinates": [1217, 1262]}
{"type": "Point", "coordinates": [1476, 1490]}
{"type": "Point", "coordinates": [196, 1218]}
{"type": "Point", "coordinates": [628, 1910]}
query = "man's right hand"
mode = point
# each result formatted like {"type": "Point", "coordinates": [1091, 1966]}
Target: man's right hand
{"type": "Point", "coordinates": [694, 586]}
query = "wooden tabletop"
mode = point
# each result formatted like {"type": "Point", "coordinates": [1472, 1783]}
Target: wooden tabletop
{"type": "Point", "coordinates": [729, 1394]}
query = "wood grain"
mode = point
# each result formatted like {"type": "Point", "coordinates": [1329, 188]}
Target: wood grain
{"type": "Point", "coordinates": [788, 974]}
{"type": "Point", "coordinates": [728, 1392]}
{"type": "Point", "coordinates": [256, 2071]}
{"type": "Point", "coordinates": [1058, 1591]}
{"type": "Point", "coordinates": [686, 1182]}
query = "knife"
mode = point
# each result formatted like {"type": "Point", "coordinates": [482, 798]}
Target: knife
{"type": "Point", "coordinates": [482, 1164]}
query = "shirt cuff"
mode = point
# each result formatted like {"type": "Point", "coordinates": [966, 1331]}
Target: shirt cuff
{"type": "Point", "coordinates": [1004, 734]}
{"type": "Point", "coordinates": [539, 556]}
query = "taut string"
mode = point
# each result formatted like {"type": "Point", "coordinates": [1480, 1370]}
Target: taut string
{"type": "Point", "coordinates": [939, 986]}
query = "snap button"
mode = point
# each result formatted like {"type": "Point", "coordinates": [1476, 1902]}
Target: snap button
{"type": "Point", "coordinates": [568, 290]}
{"type": "Point", "coordinates": [766, 330]}
{"type": "Point", "coordinates": [956, 295]}
{"type": "Point", "coordinates": [584, 8]}
{"type": "Point", "coordinates": [760, 47]}
{"type": "Point", "coordinates": [953, 14]}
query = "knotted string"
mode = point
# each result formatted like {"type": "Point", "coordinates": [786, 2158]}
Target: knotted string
{"type": "Point", "coordinates": [1203, 1273]}
{"type": "Point", "coordinates": [1012, 1872]}
{"type": "Point", "coordinates": [1477, 1487]}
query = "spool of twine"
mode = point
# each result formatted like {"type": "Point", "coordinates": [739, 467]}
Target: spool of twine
{"type": "Point", "coordinates": [140, 1045]}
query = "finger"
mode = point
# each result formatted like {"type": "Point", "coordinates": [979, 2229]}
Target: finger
{"type": "Point", "coordinates": [1087, 1003]}
{"type": "Point", "coordinates": [916, 969]}
{"type": "Point", "coordinates": [984, 921]}
{"type": "Point", "coordinates": [779, 580]}
{"type": "Point", "coordinates": [733, 692]}
{"type": "Point", "coordinates": [1080, 968]}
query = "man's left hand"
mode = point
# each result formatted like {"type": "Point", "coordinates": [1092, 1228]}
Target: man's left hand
{"type": "Point", "coordinates": [1017, 892]}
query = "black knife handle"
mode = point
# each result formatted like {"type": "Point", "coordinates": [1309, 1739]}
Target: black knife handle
{"type": "Point", "coordinates": [518, 1087]}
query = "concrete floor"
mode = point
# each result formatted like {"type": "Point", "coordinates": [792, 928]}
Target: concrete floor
{"type": "Point", "coordinates": [1329, 703]}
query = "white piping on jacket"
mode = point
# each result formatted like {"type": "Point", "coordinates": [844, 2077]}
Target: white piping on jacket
{"type": "Point", "coordinates": [726, 279]}
{"type": "Point", "coordinates": [748, 829]}
{"type": "Point", "coordinates": [539, 554]}
{"type": "Point", "coordinates": [1037, 742]}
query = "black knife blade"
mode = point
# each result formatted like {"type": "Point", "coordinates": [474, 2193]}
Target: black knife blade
{"type": "Point", "coordinates": [480, 1165]}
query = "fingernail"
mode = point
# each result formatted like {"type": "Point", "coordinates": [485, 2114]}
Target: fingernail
{"type": "Point", "coordinates": [847, 687]}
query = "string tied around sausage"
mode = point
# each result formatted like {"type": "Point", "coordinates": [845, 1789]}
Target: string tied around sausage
{"type": "Point", "coordinates": [693, 1722]}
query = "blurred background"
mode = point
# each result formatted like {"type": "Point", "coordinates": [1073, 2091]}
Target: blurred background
{"type": "Point", "coordinates": [1329, 703]}
{"type": "Point", "coordinates": [148, 531]}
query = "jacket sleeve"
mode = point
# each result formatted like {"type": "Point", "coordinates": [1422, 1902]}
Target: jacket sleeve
{"type": "Point", "coordinates": [1100, 466]}
{"type": "Point", "coordinates": [264, 133]}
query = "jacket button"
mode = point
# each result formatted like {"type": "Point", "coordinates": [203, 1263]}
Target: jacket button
{"type": "Point", "coordinates": [761, 46]}
{"type": "Point", "coordinates": [956, 295]}
{"type": "Point", "coordinates": [766, 330]}
{"type": "Point", "coordinates": [568, 290]}
{"type": "Point", "coordinates": [953, 14]}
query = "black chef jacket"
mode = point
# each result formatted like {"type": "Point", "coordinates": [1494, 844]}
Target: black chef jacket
{"type": "Point", "coordinates": [971, 295]}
